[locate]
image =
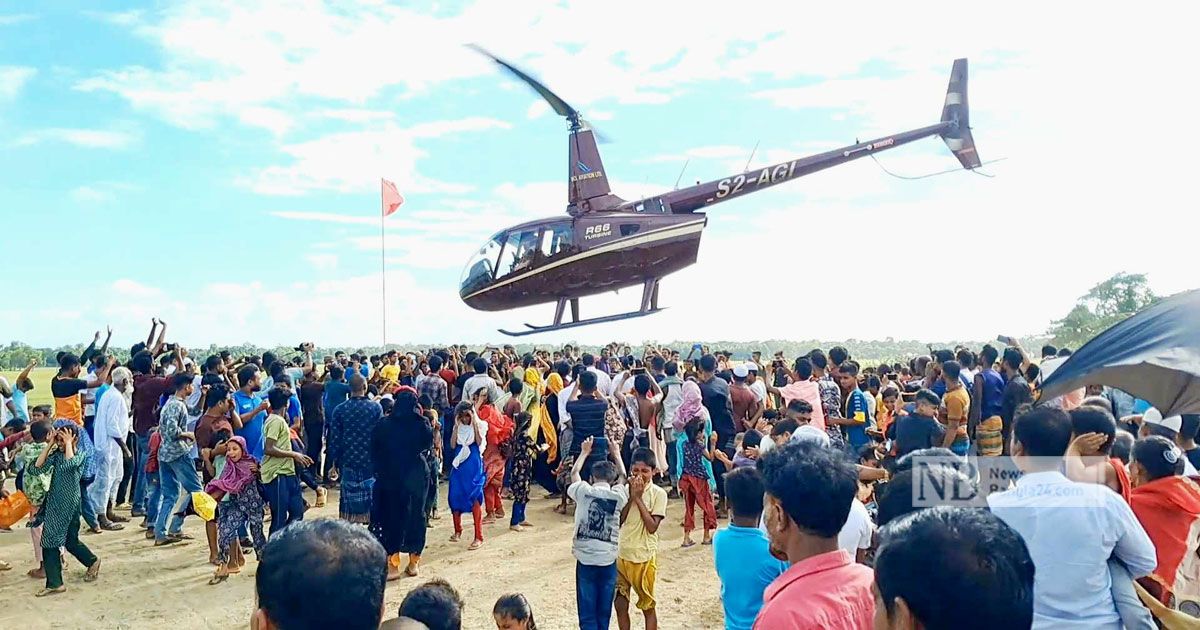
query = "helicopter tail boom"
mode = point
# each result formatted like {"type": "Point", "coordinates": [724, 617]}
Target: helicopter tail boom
{"type": "Point", "coordinates": [953, 127]}
{"type": "Point", "coordinates": [955, 111]}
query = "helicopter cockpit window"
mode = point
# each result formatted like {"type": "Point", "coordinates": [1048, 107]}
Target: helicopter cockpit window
{"type": "Point", "coordinates": [479, 270]}
{"type": "Point", "coordinates": [630, 228]}
{"type": "Point", "coordinates": [556, 239]}
{"type": "Point", "coordinates": [520, 249]}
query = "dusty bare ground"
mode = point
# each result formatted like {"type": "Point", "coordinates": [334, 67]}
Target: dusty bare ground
{"type": "Point", "coordinates": [144, 587]}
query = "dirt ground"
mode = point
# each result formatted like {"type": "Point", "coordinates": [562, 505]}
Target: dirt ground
{"type": "Point", "coordinates": [144, 587]}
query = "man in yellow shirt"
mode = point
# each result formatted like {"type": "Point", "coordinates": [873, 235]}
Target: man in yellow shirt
{"type": "Point", "coordinates": [637, 549]}
{"type": "Point", "coordinates": [390, 371]}
{"type": "Point", "coordinates": [956, 408]}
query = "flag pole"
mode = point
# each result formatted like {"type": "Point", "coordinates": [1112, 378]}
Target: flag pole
{"type": "Point", "coordinates": [383, 275]}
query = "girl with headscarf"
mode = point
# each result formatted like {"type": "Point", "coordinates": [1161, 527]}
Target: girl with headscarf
{"type": "Point", "coordinates": [495, 459]}
{"type": "Point", "coordinates": [465, 492]}
{"type": "Point", "coordinates": [692, 407]}
{"type": "Point", "coordinates": [523, 452]}
{"type": "Point", "coordinates": [241, 504]}
{"type": "Point", "coordinates": [401, 482]}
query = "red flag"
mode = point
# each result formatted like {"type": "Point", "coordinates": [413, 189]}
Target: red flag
{"type": "Point", "coordinates": [391, 197]}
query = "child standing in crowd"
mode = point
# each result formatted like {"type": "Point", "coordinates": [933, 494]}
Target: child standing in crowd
{"type": "Point", "coordinates": [637, 552]}
{"type": "Point", "coordinates": [465, 493]}
{"type": "Point", "coordinates": [61, 508]}
{"type": "Point", "coordinates": [693, 485]}
{"type": "Point", "coordinates": [36, 485]}
{"type": "Point", "coordinates": [512, 612]}
{"type": "Point", "coordinates": [523, 452]}
{"type": "Point", "coordinates": [433, 456]}
{"type": "Point", "coordinates": [599, 508]}
{"type": "Point", "coordinates": [236, 480]}
{"type": "Point", "coordinates": [499, 429]}
{"type": "Point", "coordinates": [278, 469]}
{"type": "Point", "coordinates": [742, 552]}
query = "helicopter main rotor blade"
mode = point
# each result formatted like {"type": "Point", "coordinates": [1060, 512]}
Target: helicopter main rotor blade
{"type": "Point", "coordinates": [560, 106]}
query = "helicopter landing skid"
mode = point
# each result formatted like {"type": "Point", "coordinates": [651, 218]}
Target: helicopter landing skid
{"type": "Point", "coordinates": [583, 322]}
{"type": "Point", "coordinates": [649, 306]}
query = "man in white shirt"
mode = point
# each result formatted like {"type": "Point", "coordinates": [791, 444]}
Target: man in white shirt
{"type": "Point", "coordinates": [757, 386]}
{"type": "Point", "coordinates": [481, 379]}
{"type": "Point", "coordinates": [856, 534]}
{"type": "Point", "coordinates": [603, 382]}
{"type": "Point", "coordinates": [1070, 528]}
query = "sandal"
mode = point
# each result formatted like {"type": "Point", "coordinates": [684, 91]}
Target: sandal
{"type": "Point", "coordinates": [181, 536]}
{"type": "Point", "coordinates": [688, 543]}
{"type": "Point", "coordinates": [217, 579]}
{"type": "Point", "coordinates": [4, 566]}
{"type": "Point", "coordinates": [112, 527]}
{"type": "Point", "coordinates": [50, 591]}
{"type": "Point", "coordinates": [455, 537]}
{"type": "Point", "coordinates": [167, 541]}
{"type": "Point", "coordinates": [93, 572]}
{"type": "Point", "coordinates": [476, 544]}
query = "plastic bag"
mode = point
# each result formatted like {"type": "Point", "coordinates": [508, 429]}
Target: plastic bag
{"type": "Point", "coordinates": [204, 505]}
{"type": "Point", "coordinates": [13, 508]}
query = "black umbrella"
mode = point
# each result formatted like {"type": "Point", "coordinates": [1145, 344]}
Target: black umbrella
{"type": "Point", "coordinates": [1154, 355]}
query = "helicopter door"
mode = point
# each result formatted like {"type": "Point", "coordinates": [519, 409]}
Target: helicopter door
{"type": "Point", "coordinates": [557, 240]}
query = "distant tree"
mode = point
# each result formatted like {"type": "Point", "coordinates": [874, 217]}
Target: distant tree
{"type": "Point", "coordinates": [1102, 306]}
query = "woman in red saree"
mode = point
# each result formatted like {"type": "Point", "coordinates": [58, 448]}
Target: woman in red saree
{"type": "Point", "coordinates": [500, 429]}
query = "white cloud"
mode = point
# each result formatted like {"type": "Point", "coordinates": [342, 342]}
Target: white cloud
{"type": "Point", "coordinates": [355, 115]}
{"type": "Point", "coordinates": [327, 217]}
{"type": "Point", "coordinates": [271, 119]}
{"type": "Point", "coordinates": [90, 194]}
{"type": "Point", "coordinates": [100, 192]}
{"type": "Point", "coordinates": [323, 262]}
{"type": "Point", "coordinates": [86, 138]}
{"type": "Point", "coordinates": [13, 79]}
{"type": "Point", "coordinates": [355, 160]}
{"type": "Point", "coordinates": [16, 18]}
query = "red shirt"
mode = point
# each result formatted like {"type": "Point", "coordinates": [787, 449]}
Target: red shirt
{"type": "Point", "coordinates": [146, 392]}
{"type": "Point", "coordinates": [829, 591]}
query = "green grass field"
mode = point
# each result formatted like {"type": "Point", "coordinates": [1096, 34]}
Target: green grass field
{"type": "Point", "coordinates": [41, 384]}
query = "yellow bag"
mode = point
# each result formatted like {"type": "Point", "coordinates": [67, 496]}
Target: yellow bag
{"type": "Point", "coordinates": [13, 508]}
{"type": "Point", "coordinates": [204, 505]}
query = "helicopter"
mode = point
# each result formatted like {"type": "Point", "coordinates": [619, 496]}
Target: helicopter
{"type": "Point", "coordinates": [605, 243]}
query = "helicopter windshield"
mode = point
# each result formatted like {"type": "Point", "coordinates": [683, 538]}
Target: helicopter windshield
{"type": "Point", "coordinates": [480, 268]}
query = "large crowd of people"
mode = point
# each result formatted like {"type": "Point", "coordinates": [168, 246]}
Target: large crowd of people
{"type": "Point", "coordinates": [807, 473]}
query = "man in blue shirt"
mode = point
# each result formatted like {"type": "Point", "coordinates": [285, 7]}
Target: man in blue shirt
{"type": "Point", "coordinates": [251, 410]}
{"type": "Point", "coordinates": [857, 417]}
{"type": "Point", "coordinates": [742, 552]}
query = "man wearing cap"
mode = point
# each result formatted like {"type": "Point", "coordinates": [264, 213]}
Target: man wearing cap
{"type": "Point", "coordinates": [747, 408]}
{"type": "Point", "coordinates": [756, 384]}
{"type": "Point", "coordinates": [1153, 423]}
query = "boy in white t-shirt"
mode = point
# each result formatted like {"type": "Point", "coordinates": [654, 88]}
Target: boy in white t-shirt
{"type": "Point", "coordinates": [598, 508]}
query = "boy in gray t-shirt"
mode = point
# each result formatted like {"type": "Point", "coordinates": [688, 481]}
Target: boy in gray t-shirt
{"type": "Point", "coordinates": [598, 508]}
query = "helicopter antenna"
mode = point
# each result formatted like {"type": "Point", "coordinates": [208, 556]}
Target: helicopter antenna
{"type": "Point", "coordinates": [928, 175]}
{"type": "Point", "coordinates": [749, 159]}
{"type": "Point", "coordinates": [677, 179]}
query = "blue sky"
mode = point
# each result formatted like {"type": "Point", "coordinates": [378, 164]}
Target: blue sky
{"type": "Point", "coordinates": [217, 164]}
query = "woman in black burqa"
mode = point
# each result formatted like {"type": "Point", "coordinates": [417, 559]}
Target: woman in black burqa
{"type": "Point", "coordinates": [401, 480]}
